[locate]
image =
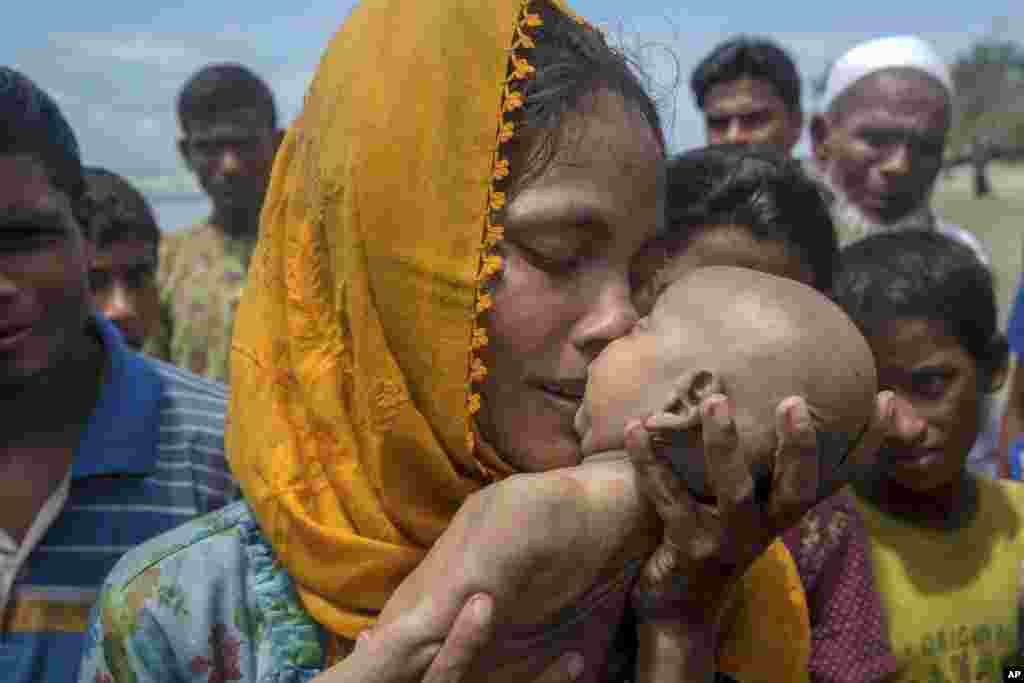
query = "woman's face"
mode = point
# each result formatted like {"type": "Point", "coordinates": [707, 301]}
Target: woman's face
{"type": "Point", "coordinates": [570, 237]}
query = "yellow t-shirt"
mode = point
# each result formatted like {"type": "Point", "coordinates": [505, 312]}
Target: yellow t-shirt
{"type": "Point", "coordinates": [951, 597]}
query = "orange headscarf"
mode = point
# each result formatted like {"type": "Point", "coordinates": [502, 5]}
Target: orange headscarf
{"type": "Point", "coordinates": [351, 363]}
{"type": "Point", "coordinates": [354, 355]}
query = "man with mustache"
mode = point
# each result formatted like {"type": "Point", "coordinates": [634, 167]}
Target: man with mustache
{"type": "Point", "coordinates": [229, 137]}
{"type": "Point", "coordinates": [748, 90]}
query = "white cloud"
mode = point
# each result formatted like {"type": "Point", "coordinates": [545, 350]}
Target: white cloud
{"type": "Point", "coordinates": [118, 90]}
{"type": "Point", "coordinates": [142, 49]}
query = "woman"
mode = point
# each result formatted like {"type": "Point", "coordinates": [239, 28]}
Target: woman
{"type": "Point", "coordinates": [370, 401]}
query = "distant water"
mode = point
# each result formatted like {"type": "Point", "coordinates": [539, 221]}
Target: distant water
{"type": "Point", "coordinates": [177, 212]}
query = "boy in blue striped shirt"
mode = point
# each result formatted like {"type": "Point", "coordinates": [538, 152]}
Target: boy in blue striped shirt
{"type": "Point", "coordinates": [100, 448]}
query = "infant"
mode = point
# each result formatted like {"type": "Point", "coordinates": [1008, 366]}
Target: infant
{"type": "Point", "coordinates": [751, 336]}
{"type": "Point", "coordinates": [559, 550]}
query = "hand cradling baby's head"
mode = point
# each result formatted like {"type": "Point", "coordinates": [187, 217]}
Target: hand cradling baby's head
{"type": "Point", "coordinates": [753, 337]}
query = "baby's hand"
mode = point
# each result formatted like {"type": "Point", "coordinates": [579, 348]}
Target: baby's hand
{"type": "Point", "coordinates": [705, 548]}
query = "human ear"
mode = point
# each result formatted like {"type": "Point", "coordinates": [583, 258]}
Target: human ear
{"type": "Point", "coordinates": [997, 368]}
{"type": "Point", "coordinates": [820, 132]}
{"type": "Point", "coordinates": [185, 152]}
{"type": "Point", "coordinates": [681, 411]}
{"type": "Point", "coordinates": [676, 430]}
{"type": "Point", "coordinates": [796, 129]}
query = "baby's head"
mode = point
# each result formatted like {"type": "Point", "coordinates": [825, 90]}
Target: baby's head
{"type": "Point", "coordinates": [754, 337]}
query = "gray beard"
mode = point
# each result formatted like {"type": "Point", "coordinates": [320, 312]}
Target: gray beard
{"type": "Point", "coordinates": [853, 224]}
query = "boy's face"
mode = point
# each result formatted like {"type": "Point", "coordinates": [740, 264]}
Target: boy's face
{"type": "Point", "coordinates": [123, 281]}
{"type": "Point", "coordinates": [232, 155]}
{"type": "Point", "coordinates": [928, 367]}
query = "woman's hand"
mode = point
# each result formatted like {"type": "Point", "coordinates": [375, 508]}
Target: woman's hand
{"type": "Point", "coordinates": [706, 548]}
{"type": "Point", "coordinates": [396, 652]}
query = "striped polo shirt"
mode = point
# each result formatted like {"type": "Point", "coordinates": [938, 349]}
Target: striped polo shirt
{"type": "Point", "coordinates": [151, 458]}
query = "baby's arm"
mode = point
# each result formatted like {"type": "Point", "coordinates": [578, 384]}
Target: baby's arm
{"type": "Point", "coordinates": [535, 542]}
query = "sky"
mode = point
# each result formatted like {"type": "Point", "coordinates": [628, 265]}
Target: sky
{"type": "Point", "coordinates": [115, 66]}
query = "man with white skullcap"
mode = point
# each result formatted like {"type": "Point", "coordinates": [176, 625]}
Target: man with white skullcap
{"type": "Point", "coordinates": [878, 143]}
{"type": "Point", "coordinates": [879, 138]}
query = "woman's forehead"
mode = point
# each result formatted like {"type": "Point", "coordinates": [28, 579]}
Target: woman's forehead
{"type": "Point", "coordinates": [608, 173]}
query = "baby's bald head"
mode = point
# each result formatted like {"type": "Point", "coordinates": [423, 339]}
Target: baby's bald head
{"type": "Point", "coordinates": [756, 338]}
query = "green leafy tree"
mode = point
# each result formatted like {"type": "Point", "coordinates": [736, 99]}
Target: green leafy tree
{"type": "Point", "coordinates": [989, 80]}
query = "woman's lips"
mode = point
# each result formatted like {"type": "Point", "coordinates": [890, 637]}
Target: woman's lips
{"type": "Point", "coordinates": [563, 396]}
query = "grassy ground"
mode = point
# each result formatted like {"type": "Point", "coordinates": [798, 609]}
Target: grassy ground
{"type": "Point", "coordinates": [997, 220]}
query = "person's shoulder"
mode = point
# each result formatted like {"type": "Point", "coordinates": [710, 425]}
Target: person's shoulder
{"type": "Point", "coordinates": [193, 410]}
{"type": "Point", "coordinates": [964, 236]}
{"type": "Point", "coordinates": [1009, 489]}
{"type": "Point", "coordinates": [183, 387]}
{"type": "Point", "coordinates": [190, 232]}
{"type": "Point", "coordinates": [218, 536]}
{"type": "Point", "coordinates": [196, 237]}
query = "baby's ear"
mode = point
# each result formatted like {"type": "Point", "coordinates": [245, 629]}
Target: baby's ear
{"type": "Point", "coordinates": [682, 410]}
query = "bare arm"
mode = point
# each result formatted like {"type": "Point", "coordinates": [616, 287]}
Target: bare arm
{"type": "Point", "coordinates": [673, 653]}
{"type": "Point", "coordinates": [1013, 425]}
{"type": "Point", "coordinates": [535, 542]}
{"type": "Point", "coordinates": [405, 651]}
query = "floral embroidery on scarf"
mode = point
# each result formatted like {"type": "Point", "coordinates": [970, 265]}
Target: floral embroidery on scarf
{"type": "Point", "coordinates": [520, 70]}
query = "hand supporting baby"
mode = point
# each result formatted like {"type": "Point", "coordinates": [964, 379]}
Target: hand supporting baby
{"type": "Point", "coordinates": [685, 584]}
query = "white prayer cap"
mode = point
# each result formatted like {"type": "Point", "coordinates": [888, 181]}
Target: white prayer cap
{"type": "Point", "coordinates": [895, 52]}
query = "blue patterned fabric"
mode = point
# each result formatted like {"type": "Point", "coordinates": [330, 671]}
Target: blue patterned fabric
{"type": "Point", "coordinates": [161, 618]}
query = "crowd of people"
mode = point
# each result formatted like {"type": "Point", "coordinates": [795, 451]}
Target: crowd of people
{"type": "Point", "coordinates": [467, 378]}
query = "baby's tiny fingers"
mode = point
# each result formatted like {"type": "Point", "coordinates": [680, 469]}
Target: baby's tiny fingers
{"type": "Point", "coordinates": [727, 466]}
{"type": "Point", "coordinates": [796, 479]}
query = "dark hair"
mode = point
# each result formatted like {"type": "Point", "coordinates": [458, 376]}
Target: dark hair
{"type": "Point", "coordinates": [119, 212]}
{"type": "Point", "coordinates": [756, 188]}
{"type": "Point", "coordinates": [572, 61]}
{"type": "Point", "coordinates": [748, 57]}
{"type": "Point", "coordinates": [31, 124]}
{"type": "Point", "coordinates": [220, 88]}
{"type": "Point", "coordinates": [922, 274]}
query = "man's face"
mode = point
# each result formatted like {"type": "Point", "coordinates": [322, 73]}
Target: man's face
{"type": "Point", "coordinates": [44, 291]}
{"type": "Point", "coordinates": [123, 281]}
{"type": "Point", "coordinates": [232, 155]}
{"type": "Point", "coordinates": [884, 148]}
{"type": "Point", "coordinates": [750, 111]}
